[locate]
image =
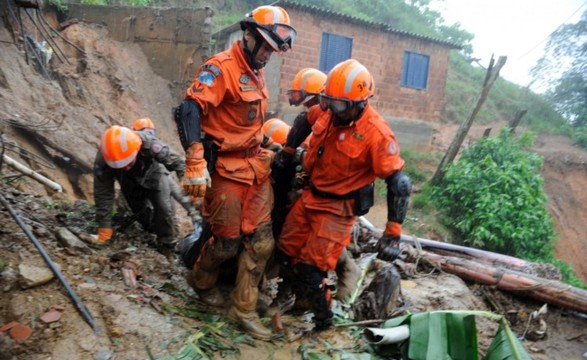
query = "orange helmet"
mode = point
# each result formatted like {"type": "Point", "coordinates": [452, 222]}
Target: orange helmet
{"type": "Point", "coordinates": [143, 123]}
{"type": "Point", "coordinates": [276, 129]}
{"type": "Point", "coordinates": [272, 24]}
{"type": "Point", "coordinates": [119, 146]}
{"type": "Point", "coordinates": [306, 84]}
{"type": "Point", "coordinates": [348, 83]}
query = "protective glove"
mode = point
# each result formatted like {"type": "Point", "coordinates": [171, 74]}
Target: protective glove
{"type": "Point", "coordinates": [196, 177]}
{"type": "Point", "coordinates": [284, 158]}
{"type": "Point", "coordinates": [388, 244]}
{"type": "Point", "coordinates": [269, 144]}
{"type": "Point", "coordinates": [104, 235]}
{"type": "Point", "coordinates": [274, 146]}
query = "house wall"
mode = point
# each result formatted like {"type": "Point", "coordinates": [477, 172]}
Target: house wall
{"type": "Point", "coordinates": [382, 53]}
{"type": "Point", "coordinates": [175, 40]}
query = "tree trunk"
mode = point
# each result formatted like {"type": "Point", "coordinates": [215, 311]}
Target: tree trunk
{"type": "Point", "coordinates": [488, 268]}
{"type": "Point", "coordinates": [550, 291]}
{"type": "Point", "coordinates": [453, 149]}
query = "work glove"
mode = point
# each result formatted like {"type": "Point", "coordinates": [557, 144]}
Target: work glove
{"type": "Point", "coordinates": [104, 235]}
{"type": "Point", "coordinates": [284, 158]}
{"type": "Point", "coordinates": [196, 177]}
{"type": "Point", "coordinates": [272, 145]}
{"type": "Point", "coordinates": [388, 245]}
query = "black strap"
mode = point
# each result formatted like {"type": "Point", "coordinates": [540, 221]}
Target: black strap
{"type": "Point", "coordinates": [327, 195]}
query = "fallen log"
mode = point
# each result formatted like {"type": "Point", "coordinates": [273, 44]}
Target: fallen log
{"type": "Point", "coordinates": [496, 270]}
{"type": "Point", "coordinates": [550, 291]}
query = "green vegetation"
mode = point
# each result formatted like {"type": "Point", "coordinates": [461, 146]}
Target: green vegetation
{"type": "Point", "coordinates": [493, 199]}
{"type": "Point", "coordinates": [453, 335]}
{"type": "Point", "coordinates": [562, 71]}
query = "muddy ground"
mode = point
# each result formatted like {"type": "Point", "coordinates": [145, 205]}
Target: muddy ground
{"type": "Point", "coordinates": [111, 83]}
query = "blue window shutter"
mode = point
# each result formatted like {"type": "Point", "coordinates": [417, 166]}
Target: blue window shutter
{"type": "Point", "coordinates": [415, 70]}
{"type": "Point", "coordinates": [334, 49]}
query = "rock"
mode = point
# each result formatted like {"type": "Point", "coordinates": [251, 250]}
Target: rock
{"type": "Point", "coordinates": [31, 275]}
{"type": "Point", "coordinates": [103, 354]}
{"type": "Point", "coordinates": [9, 277]}
{"type": "Point", "coordinates": [69, 240]}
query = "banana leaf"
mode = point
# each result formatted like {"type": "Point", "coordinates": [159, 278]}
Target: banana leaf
{"type": "Point", "coordinates": [447, 335]}
{"type": "Point", "coordinates": [505, 345]}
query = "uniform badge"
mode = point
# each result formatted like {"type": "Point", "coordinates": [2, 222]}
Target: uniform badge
{"type": "Point", "coordinates": [358, 136]}
{"type": "Point", "coordinates": [392, 147]}
{"type": "Point", "coordinates": [244, 79]}
{"type": "Point", "coordinates": [248, 87]}
{"type": "Point", "coordinates": [206, 78]}
{"type": "Point", "coordinates": [252, 114]}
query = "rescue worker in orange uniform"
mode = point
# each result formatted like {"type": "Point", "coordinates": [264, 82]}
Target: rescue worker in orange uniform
{"type": "Point", "coordinates": [140, 163]}
{"type": "Point", "coordinates": [351, 146]}
{"type": "Point", "coordinates": [220, 127]}
{"type": "Point", "coordinates": [305, 90]}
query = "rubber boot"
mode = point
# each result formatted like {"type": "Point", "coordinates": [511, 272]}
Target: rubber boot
{"type": "Point", "coordinates": [212, 296]}
{"type": "Point", "coordinates": [250, 323]}
{"type": "Point", "coordinates": [311, 285]}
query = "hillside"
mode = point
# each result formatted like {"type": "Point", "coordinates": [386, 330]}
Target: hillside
{"type": "Point", "coordinates": [60, 120]}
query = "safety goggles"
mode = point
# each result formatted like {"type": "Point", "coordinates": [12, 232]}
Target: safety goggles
{"type": "Point", "coordinates": [278, 36]}
{"type": "Point", "coordinates": [297, 97]}
{"type": "Point", "coordinates": [336, 105]}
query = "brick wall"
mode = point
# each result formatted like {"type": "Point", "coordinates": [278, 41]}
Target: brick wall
{"type": "Point", "coordinates": [381, 52]}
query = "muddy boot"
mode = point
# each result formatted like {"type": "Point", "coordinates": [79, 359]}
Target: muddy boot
{"type": "Point", "coordinates": [348, 274]}
{"type": "Point", "coordinates": [311, 285]}
{"type": "Point", "coordinates": [212, 296]}
{"type": "Point", "coordinates": [251, 265]}
{"type": "Point", "coordinates": [251, 323]}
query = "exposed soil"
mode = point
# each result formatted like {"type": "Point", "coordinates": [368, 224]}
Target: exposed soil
{"type": "Point", "coordinates": [112, 84]}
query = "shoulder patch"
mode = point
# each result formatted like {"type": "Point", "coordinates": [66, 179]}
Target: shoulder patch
{"type": "Point", "coordinates": [207, 78]}
{"type": "Point", "coordinates": [392, 147]}
{"type": "Point", "coordinates": [212, 68]}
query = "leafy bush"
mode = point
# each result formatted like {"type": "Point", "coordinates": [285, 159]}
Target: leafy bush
{"type": "Point", "coordinates": [579, 136]}
{"type": "Point", "coordinates": [494, 198]}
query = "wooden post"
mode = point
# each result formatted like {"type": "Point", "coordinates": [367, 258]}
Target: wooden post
{"type": "Point", "coordinates": [451, 153]}
{"type": "Point", "coordinates": [513, 124]}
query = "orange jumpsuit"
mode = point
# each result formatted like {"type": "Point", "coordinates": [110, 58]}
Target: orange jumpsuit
{"type": "Point", "coordinates": [233, 98]}
{"type": "Point", "coordinates": [233, 107]}
{"type": "Point", "coordinates": [339, 161]}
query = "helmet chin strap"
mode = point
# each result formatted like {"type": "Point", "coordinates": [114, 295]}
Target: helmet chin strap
{"type": "Point", "coordinates": [251, 54]}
